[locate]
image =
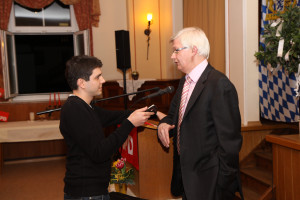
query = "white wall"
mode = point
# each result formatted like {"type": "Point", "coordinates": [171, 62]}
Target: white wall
{"type": "Point", "coordinates": [177, 6]}
{"type": "Point", "coordinates": [251, 90]}
{"type": "Point", "coordinates": [242, 40]}
{"type": "Point", "coordinates": [131, 15]}
{"type": "Point", "coordinates": [113, 17]}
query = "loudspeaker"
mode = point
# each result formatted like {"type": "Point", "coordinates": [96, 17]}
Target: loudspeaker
{"type": "Point", "coordinates": [123, 49]}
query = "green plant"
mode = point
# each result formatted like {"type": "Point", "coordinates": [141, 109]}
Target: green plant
{"type": "Point", "coordinates": [290, 33]}
{"type": "Point", "coordinates": [121, 174]}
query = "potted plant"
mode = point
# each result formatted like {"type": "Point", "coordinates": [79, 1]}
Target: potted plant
{"type": "Point", "coordinates": [121, 175]}
{"type": "Point", "coordinates": [282, 41]}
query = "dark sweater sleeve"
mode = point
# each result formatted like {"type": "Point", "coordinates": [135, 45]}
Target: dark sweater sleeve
{"type": "Point", "coordinates": [109, 117]}
{"type": "Point", "coordinates": [81, 127]}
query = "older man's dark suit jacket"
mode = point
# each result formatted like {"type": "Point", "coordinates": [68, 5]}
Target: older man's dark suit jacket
{"type": "Point", "coordinates": [210, 140]}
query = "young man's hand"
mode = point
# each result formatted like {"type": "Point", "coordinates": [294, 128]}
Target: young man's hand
{"type": "Point", "coordinates": [139, 116]}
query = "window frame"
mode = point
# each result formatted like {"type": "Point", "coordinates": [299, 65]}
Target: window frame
{"type": "Point", "coordinates": [6, 69]}
{"type": "Point", "coordinates": [28, 30]}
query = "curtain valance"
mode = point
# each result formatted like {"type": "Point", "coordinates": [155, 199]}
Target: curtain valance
{"type": "Point", "coordinates": [87, 12]}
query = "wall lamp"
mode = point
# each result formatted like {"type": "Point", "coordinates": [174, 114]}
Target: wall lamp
{"type": "Point", "coordinates": [148, 31]}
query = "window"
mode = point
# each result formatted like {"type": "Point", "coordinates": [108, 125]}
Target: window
{"type": "Point", "coordinates": [41, 62]}
{"type": "Point", "coordinates": [36, 47]}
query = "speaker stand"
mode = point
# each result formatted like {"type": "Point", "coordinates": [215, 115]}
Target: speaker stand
{"type": "Point", "coordinates": [124, 87]}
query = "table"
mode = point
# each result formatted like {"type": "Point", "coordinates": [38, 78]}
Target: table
{"type": "Point", "coordinates": [25, 131]}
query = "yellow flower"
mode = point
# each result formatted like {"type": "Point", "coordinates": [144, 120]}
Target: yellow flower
{"type": "Point", "coordinates": [123, 175]}
{"type": "Point", "coordinates": [115, 163]}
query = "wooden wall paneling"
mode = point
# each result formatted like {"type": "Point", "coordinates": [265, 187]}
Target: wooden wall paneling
{"type": "Point", "coordinates": [288, 182]}
{"type": "Point", "coordinates": [209, 16]}
{"type": "Point", "coordinates": [286, 161]}
{"type": "Point", "coordinates": [275, 166]}
{"type": "Point", "coordinates": [155, 167]}
{"type": "Point", "coordinates": [296, 174]}
{"type": "Point", "coordinates": [112, 88]}
{"type": "Point", "coordinates": [281, 185]}
{"type": "Point", "coordinates": [20, 111]}
{"type": "Point", "coordinates": [21, 150]}
{"type": "Point", "coordinates": [1, 155]}
{"type": "Point", "coordinates": [288, 173]}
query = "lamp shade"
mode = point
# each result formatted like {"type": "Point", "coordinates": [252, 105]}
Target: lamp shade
{"type": "Point", "coordinates": [149, 16]}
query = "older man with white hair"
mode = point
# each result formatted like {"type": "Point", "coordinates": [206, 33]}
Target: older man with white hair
{"type": "Point", "coordinates": [204, 121]}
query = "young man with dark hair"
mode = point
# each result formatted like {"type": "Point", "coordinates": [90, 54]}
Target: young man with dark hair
{"type": "Point", "coordinates": [89, 152]}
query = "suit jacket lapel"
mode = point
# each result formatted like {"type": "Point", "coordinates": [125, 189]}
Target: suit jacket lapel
{"type": "Point", "coordinates": [198, 88]}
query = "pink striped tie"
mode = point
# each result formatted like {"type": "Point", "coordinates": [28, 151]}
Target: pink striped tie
{"type": "Point", "coordinates": [183, 102]}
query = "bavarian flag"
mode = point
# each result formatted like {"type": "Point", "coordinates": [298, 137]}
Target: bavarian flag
{"type": "Point", "coordinates": [277, 89]}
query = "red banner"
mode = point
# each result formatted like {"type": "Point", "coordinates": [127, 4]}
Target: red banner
{"type": "Point", "coordinates": [4, 116]}
{"type": "Point", "coordinates": [129, 150]}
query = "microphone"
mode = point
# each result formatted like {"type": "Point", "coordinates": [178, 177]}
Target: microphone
{"type": "Point", "coordinates": [167, 90]}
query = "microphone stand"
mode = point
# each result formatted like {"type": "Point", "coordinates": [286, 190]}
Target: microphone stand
{"type": "Point", "coordinates": [136, 102]}
{"type": "Point", "coordinates": [125, 87]}
{"type": "Point", "coordinates": [127, 94]}
{"type": "Point", "coordinates": [104, 99]}
{"type": "Point", "coordinates": [169, 89]}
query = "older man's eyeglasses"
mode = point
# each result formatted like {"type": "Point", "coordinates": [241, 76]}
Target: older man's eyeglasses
{"type": "Point", "coordinates": [176, 51]}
